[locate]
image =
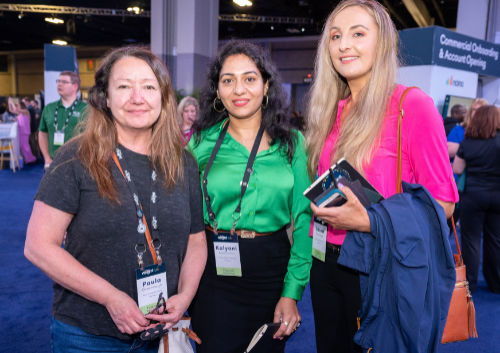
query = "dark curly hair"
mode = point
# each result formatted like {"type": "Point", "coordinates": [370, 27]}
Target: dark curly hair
{"type": "Point", "coordinates": [274, 116]}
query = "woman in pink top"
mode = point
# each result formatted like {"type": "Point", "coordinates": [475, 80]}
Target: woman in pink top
{"type": "Point", "coordinates": [24, 131]}
{"type": "Point", "coordinates": [353, 113]}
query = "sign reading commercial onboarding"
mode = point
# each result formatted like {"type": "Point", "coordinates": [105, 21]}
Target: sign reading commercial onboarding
{"type": "Point", "coordinates": [439, 46]}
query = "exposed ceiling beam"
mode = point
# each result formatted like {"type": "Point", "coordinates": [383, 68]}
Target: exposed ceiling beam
{"type": "Point", "coordinates": [439, 12]}
{"type": "Point", "coordinates": [71, 10]}
{"type": "Point", "coordinates": [395, 14]}
{"type": "Point", "coordinates": [265, 19]}
{"type": "Point", "coordinates": [419, 12]}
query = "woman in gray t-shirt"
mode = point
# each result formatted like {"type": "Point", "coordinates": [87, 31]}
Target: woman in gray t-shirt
{"type": "Point", "coordinates": [125, 177]}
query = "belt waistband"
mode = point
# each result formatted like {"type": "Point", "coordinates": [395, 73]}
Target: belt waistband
{"type": "Point", "coordinates": [334, 247]}
{"type": "Point", "coordinates": [242, 233]}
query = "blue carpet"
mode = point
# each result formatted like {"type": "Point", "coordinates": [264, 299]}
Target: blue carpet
{"type": "Point", "coordinates": [26, 293]}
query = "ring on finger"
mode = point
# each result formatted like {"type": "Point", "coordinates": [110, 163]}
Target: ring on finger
{"type": "Point", "coordinates": [285, 323]}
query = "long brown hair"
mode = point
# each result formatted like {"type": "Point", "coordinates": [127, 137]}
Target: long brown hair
{"type": "Point", "coordinates": [484, 123]}
{"type": "Point", "coordinates": [99, 138]}
{"type": "Point", "coordinates": [362, 127]}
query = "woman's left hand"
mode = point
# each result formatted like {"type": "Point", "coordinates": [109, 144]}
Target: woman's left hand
{"type": "Point", "coordinates": [175, 307]}
{"type": "Point", "coordinates": [352, 215]}
{"type": "Point", "coordinates": [286, 311]}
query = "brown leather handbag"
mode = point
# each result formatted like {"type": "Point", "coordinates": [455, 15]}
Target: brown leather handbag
{"type": "Point", "coordinates": [461, 319]}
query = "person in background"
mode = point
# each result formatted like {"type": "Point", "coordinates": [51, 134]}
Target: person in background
{"type": "Point", "coordinates": [456, 135]}
{"type": "Point", "coordinates": [253, 183]}
{"type": "Point", "coordinates": [479, 154]}
{"type": "Point", "coordinates": [125, 177]}
{"type": "Point", "coordinates": [24, 130]}
{"type": "Point", "coordinates": [457, 112]}
{"type": "Point", "coordinates": [187, 112]}
{"type": "Point", "coordinates": [10, 112]}
{"type": "Point", "coordinates": [60, 118]}
{"type": "Point", "coordinates": [353, 114]}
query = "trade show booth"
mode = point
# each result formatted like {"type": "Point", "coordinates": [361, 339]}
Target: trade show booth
{"type": "Point", "coordinates": [444, 64]}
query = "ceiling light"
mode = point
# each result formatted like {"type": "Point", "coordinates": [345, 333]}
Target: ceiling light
{"type": "Point", "coordinates": [134, 9]}
{"type": "Point", "coordinates": [243, 3]}
{"type": "Point", "coordinates": [54, 20]}
{"type": "Point", "coordinates": [59, 42]}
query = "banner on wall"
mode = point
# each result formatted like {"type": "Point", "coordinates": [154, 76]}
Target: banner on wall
{"type": "Point", "coordinates": [57, 59]}
{"type": "Point", "coordinates": [439, 46]}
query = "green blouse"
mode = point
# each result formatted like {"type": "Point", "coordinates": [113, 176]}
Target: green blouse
{"type": "Point", "coordinates": [274, 194]}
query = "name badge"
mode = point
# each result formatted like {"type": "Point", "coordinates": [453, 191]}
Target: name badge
{"type": "Point", "coordinates": [150, 283]}
{"type": "Point", "coordinates": [59, 138]}
{"type": "Point", "coordinates": [319, 239]}
{"type": "Point", "coordinates": [227, 254]}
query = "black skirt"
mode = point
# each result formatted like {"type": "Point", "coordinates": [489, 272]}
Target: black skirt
{"type": "Point", "coordinates": [227, 311]}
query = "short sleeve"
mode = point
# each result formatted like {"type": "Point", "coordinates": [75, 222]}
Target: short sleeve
{"type": "Point", "coordinates": [426, 146]}
{"type": "Point", "coordinates": [195, 198]}
{"type": "Point", "coordinates": [60, 186]}
{"type": "Point", "coordinates": [43, 122]}
{"type": "Point", "coordinates": [456, 134]}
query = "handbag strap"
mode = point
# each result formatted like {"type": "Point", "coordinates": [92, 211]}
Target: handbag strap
{"type": "Point", "coordinates": [399, 188]}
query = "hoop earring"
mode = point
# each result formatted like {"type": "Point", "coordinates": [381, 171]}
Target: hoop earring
{"type": "Point", "coordinates": [216, 102]}
{"type": "Point", "coordinates": [264, 106]}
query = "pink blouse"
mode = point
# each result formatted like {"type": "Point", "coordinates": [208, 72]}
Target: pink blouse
{"type": "Point", "coordinates": [424, 151]}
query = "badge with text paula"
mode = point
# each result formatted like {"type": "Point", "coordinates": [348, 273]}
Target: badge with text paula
{"type": "Point", "coordinates": [227, 254]}
{"type": "Point", "coordinates": [319, 239]}
{"type": "Point", "coordinates": [59, 138]}
{"type": "Point", "coordinates": [150, 283]}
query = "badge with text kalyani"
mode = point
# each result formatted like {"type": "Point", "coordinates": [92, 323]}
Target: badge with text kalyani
{"type": "Point", "coordinates": [150, 283]}
{"type": "Point", "coordinates": [227, 254]}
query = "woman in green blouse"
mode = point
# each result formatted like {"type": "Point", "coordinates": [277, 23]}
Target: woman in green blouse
{"type": "Point", "coordinates": [253, 173]}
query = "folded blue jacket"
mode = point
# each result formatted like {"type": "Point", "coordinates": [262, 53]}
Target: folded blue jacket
{"type": "Point", "coordinates": [407, 273]}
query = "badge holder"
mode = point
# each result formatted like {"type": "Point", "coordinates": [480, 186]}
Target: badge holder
{"type": "Point", "coordinates": [227, 251]}
{"type": "Point", "coordinates": [320, 230]}
{"type": "Point", "coordinates": [226, 245]}
{"type": "Point", "coordinates": [58, 138]}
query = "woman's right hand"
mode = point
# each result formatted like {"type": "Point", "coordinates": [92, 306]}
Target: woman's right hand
{"type": "Point", "coordinates": [352, 215]}
{"type": "Point", "coordinates": [126, 314]}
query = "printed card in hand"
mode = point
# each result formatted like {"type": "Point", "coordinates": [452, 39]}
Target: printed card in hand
{"type": "Point", "coordinates": [263, 340]}
{"type": "Point", "coordinates": [325, 192]}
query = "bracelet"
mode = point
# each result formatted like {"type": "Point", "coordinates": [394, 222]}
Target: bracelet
{"type": "Point", "coordinates": [46, 165]}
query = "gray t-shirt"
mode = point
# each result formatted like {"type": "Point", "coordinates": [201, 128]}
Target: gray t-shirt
{"type": "Point", "coordinates": [102, 235]}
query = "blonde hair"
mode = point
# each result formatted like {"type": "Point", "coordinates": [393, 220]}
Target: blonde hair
{"type": "Point", "coordinates": [186, 101]}
{"type": "Point", "coordinates": [362, 127]}
{"type": "Point", "coordinates": [99, 138]}
{"type": "Point", "coordinates": [478, 101]}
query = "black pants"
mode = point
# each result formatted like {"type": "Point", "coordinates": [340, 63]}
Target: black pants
{"type": "Point", "coordinates": [481, 214]}
{"type": "Point", "coordinates": [227, 311]}
{"type": "Point", "coordinates": [336, 299]}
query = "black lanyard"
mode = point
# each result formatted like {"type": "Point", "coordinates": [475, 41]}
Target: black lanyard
{"type": "Point", "coordinates": [244, 183]}
{"type": "Point", "coordinates": [56, 112]}
{"type": "Point", "coordinates": [153, 240]}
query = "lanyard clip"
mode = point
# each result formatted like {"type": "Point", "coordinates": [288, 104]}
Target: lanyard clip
{"type": "Point", "coordinates": [157, 246]}
{"type": "Point", "coordinates": [140, 249]}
